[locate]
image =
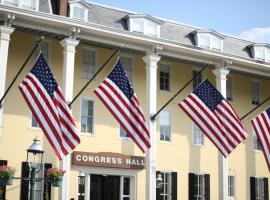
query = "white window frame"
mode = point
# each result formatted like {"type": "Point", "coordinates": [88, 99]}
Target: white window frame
{"type": "Point", "coordinates": [81, 6]}
{"type": "Point", "coordinates": [211, 37]}
{"type": "Point", "coordinates": [95, 62]}
{"type": "Point", "coordinates": [193, 136]}
{"type": "Point", "coordinates": [197, 69]}
{"type": "Point", "coordinates": [203, 186]}
{"type": "Point", "coordinates": [255, 81]}
{"type": "Point", "coordinates": [20, 4]}
{"type": "Point", "coordinates": [265, 50]}
{"type": "Point", "coordinates": [169, 186]}
{"type": "Point", "coordinates": [164, 141]}
{"type": "Point", "coordinates": [94, 116]}
{"type": "Point", "coordinates": [30, 125]}
{"type": "Point", "coordinates": [261, 179]}
{"type": "Point", "coordinates": [235, 188]}
{"type": "Point", "coordinates": [170, 77]}
{"type": "Point", "coordinates": [254, 136]}
{"type": "Point", "coordinates": [145, 21]}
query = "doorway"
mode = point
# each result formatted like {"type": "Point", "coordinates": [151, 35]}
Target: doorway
{"type": "Point", "coordinates": [104, 187]}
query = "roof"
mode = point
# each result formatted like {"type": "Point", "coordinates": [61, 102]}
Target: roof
{"type": "Point", "coordinates": [169, 30]}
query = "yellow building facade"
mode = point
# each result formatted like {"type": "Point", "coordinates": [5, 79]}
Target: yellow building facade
{"type": "Point", "coordinates": [189, 164]}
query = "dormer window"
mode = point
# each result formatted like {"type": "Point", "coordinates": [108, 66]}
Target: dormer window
{"type": "Point", "coordinates": [144, 24]}
{"type": "Point", "coordinates": [209, 40]}
{"type": "Point", "coordinates": [25, 4]}
{"type": "Point", "coordinates": [78, 10]}
{"type": "Point", "coordinates": [261, 52]}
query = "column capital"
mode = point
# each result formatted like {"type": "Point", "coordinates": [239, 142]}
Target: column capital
{"type": "Point", "coordinates": [221, 71]}
{"type": "Point", "coordinates": [5, 32]}
{"type": "Point", "coordinates": [69, 44]}
{"type": "Point", "coordinates": [151, 60]}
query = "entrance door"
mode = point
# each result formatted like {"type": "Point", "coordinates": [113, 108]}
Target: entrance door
{"type": "Point", "coordinates": [103, 187]}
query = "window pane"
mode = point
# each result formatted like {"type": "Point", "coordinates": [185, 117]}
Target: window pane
{"type": "Point", "coordinates": [198, 78]}
{"type": "Point", "coordinates": [165, 125]}
{"type": "Point", "coordinates": [29, 4]}
{"type": "Point", "coordinates": [164, 77]}
{"type": "Point", "coordinates": [138, 25]}
{"type": "Point", "coordinates": [198, 138]}
{"type": "Point", "coordinates": [81, 188]}
{"type": "Point", "coordinates": [151, 29]}
{"type": "Point", "coordinates": [127, 64]}
{"type": "Point", "coordinates": [34, 122]}
{"type": "Point", "coordinates": [123, 133]}
{"type": "Point", "coordinates": [88, 64]}
{"type": "Point", "coordinates": [255, 92]}
{"type": "Point", "coordinates": [256, 143]}
{"type": "Point", "coordinates": [216, 43]}
{"type": "Point", "coordinates": [231, 186]}
{"type": "Point", "coordinates": [78, 13]}
{"type": "Point", "coordinates": [11, 2]}
{"type": "Point", "coordinates": [267, 55]}
{"type": "Point", "coordinates": [229, 88]}
{"type": "Point", "coordinates": [126, 186]}
{"type": "Point", "coordinates": [87, 116]}
{"type": "Point", "coordinates": [259, 51]}
{"type": "Point", "coordinates": [204, 41]}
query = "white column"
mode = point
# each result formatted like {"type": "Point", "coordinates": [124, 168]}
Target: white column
{"type": "Point", "coordinates": [5, 32]}
{"type": "Point", "coordinates": [68, 78]}
{"type": "Point", "coordinates": [221, 74]}
{"type": "Point", "coordinates": [151, 61]}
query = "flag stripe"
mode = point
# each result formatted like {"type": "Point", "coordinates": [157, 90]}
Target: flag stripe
{"type": "Point", "coordinates": [216, 117]}
{"type": "Point", "coordinates": [48, 105]}
{"type": "Point", "coordinates": [127, 116]}
{"type": "Point", "coordinates": [121, 121]}
{"type": "Point", "coordinates": [203, 127]}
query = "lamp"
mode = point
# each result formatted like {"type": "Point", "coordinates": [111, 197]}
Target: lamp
{"type": "Point", "coordinates": [34, 159]}
{"type": "Point", "coordinates": [159, 180]}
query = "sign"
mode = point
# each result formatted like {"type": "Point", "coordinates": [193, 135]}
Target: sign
{"type": "Point", "coordinates": [108, 160]}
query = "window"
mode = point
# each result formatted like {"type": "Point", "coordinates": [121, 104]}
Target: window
{"type": "Point", "coordinates": [255, 92]}
{"type": "Point", "coordinates": [138, 25]}
{"type": "Point", "coordinates": [34, 123]}
{"type": "Point", "coordinates": [126, 188]}
{"type": "Point", "coordinates": [127, 65]}
{"type": "Point", "coordinates": [208, 40]}
{"type": "Point", "coordinates": [261, 52]}
{"type": "Point", "coordinates": [256, 143]}
{"type": "Point", "coordinates": [12, 2]}
{"type": "Point", "coordinates": [229, 95]}
{"type": "Point", "coordinates": [88, 63]}
{"type": "Point", "coordinates": [81, 188]}
{"type": "Point", "coordinates": [258, 188]}
{"type": "Point", "coordinates": [164, 78]}
{"type": "Point", "coordinates": [167, 190]}
{"type": "Point", "coordinates": [78, 13]}
{"type": "Point", "coordinates": [29, 4]}
{"type": "Point", "coordinates": [231, 187]}
{"type": "Point", "coordinates": [198, 138]}
{"type": "Point", "coordinates": [144, 25]}
{"type": "Point", "coordinates": [87, 116]}
{"type": "Point", "coordinates": [197, 80]}
{"type": "Point", "coordinates": [165, 125]}
{"type": "Point", "coordinates": [199, 186]}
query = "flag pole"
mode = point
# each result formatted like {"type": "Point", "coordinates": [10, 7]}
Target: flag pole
{"type": "Point", "coordinates": [20, 70]}
{"type": "Point", "coordinates": [260, 104]}
{"type": "Point", "coordinates": [94, 76]}
{"type": "Point", "coordinates": [180, 90]}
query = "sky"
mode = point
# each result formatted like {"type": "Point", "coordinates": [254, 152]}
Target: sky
{"type": "Point", "coordinates": [248, 19]}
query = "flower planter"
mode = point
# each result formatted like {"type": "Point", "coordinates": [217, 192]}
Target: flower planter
{"type": "Point", "coordinates": [6, 181]}
{"type": "Point", "coordinates": [57, 182]}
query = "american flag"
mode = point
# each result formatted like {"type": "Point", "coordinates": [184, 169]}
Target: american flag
{"type": "Point", "coordinates": [261, 125]}
{"type": "Point", "coordinates": [48, 105]}
{"type": "Point", "coordinates": [118, 96]}
{"type": "Point", "coordinates": [215, 117]}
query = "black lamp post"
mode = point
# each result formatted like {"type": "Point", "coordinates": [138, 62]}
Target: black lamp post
{"type": "Point", "coordinates": [34, 160]}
